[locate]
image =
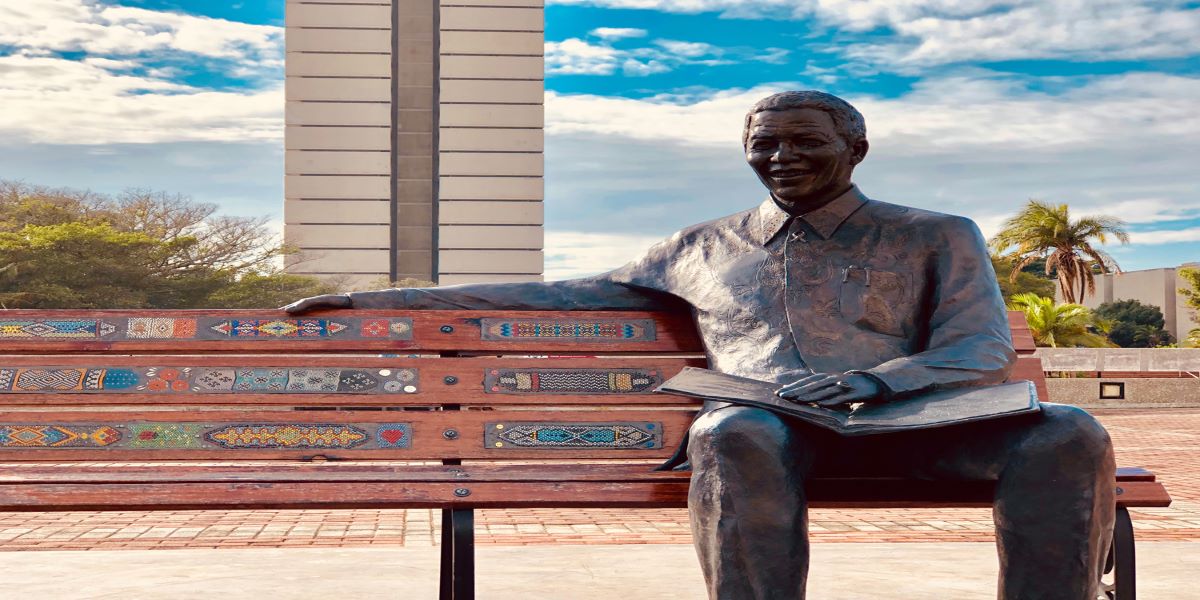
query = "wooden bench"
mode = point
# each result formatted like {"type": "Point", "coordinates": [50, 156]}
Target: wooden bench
{"type": "Point", "coordinates": [174, 410]}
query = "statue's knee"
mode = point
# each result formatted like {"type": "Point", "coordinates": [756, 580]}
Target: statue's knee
{"type": "Point", "coordinates": [739, 431]}
{"type": "Point", "coordinates": [1070, 434]}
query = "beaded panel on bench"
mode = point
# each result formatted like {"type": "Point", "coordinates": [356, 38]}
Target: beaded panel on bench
{"type": "Point", "coordinates": [206, 328]}
{"type": "Point", "coordinates": [570, 381]}
{"type": "Point", "coordinates": [609, 436]}
{"type": "Point", "coordinates": [224, 380]}
{"type": "Point", "coordinates": [204, 436]}
{"type": "Point", "coordinates": [592, 330]}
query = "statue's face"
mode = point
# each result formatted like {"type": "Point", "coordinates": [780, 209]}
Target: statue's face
{"type": "Point", "coordinates": [800, 157]}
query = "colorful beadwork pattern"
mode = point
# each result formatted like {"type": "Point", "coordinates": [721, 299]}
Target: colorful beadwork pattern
{"type": "Point", "coordinates": [600, 330]}
{"type": "Point", "coordinates": [206, 328]}
{"type": "Point", "coordinates": [58, 436]}
{"type": "Point", "coordinates": [158, 329]}
{"type": "Point", "coordinates": [394, 435]}
{"type": "Point", "coordinates": [208, 380]}
{"type": "Point", "coordinates": [51, 329]}
{"type": "Point", "coordinates": [262, 436]}
{"type": "Point", "coordinates": [608, 436]}
{"type": "Point", "coordinates": [570, 381]}
{"type": "Point", "coordinates": [205, 436]}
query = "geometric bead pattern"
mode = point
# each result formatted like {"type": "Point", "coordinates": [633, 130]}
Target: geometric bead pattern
{"type": "Point", "coordinates": [56, 329]}
{"type": "Point", "coordinates": [210, 380]}
{"type": "Point", "coordinates": [598, 330]}
{"type": "Point", "coordinates": [550, 435]}
{"type": "Point", "coordinates": [394, 435]}
{"type": "Point", "coordinates": [204, 436]}
{"type": "Point", "coordinates": [57, 436]}
{"type": "Point", "coordinates": [207, 328]}
{"type": "Point", "coordinates": [287, 436]}
{"type": "Point", "coordinates": [571, 381]}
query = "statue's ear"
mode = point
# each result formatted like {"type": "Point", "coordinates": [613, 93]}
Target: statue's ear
{"type": "Point", "coordinates": [859, 151]}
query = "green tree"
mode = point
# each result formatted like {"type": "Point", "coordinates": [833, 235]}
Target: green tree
{"type": "Point", "coordinates": [64, 248]}
{"type": "Point", "coordinates": [1134, 324]}
{"type": "Point", "coordinates": [1058, 325]}
{"type": "Point", "coordinates": [1026, 280]}
{"type": "Point", "coordinates": [76, 265]}
{"type": "Point", "coordinates": [1046, 231]}
{"type": "Point", "coordinates": [1191, 296]}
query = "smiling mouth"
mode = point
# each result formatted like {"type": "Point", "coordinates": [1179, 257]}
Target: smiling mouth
{"type": "Point", "coordinates": [788, 173]}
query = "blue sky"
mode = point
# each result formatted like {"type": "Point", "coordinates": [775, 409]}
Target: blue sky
{"type": "Point", "coordinates": [972, 107]}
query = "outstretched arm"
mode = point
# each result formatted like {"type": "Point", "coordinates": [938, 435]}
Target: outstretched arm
{"type": "Point", "coordinates": [639, 285]}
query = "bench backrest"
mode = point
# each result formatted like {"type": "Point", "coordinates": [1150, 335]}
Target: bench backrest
{"type": "Point", "coordinates": [350, 385]}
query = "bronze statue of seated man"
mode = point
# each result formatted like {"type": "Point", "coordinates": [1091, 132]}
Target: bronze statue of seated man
{"type": "Point", "coordinates": [838, 298]}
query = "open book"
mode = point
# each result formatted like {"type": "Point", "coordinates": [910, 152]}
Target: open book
{"type": "Point", "coordinates": [936, 409]}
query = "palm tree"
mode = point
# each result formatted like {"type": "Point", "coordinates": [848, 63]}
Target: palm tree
{"type": "Point", "coordinates": [1043, 230]}
{"type": "Point", "coordinates": [1193, 339]}
{"type": "Point", "coordinates": [1058, 325]}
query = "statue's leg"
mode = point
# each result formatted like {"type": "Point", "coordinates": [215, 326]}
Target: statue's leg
{"type": "Point", "coordinates": [748, 510]}
{"type": "Point", "coordinates": [1054, 508]}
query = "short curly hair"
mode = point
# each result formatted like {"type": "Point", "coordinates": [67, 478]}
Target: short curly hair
{"type": "Point", "coordinates": [849, 122]}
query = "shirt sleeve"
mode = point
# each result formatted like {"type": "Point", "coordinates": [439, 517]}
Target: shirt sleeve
{"type": "Point", "coordinates": [644, 284]}
{"type": "Point", "coordinates": [969, 342]}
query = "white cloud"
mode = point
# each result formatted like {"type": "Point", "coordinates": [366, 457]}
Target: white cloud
{"type": "Point", "coordinates": [935, 32]}
{"type": "Point", "coordinates": [976, 145]}
{"type": "Point", "coordinates": [617, 33]}
{"type": "Point", "coordinates": [688, 49]}
{"type": "Point", "coordinates": [1147, 210]}
{"type": "Point", "coordinates": [125, 88]}
{"type": "Point", "coordinates": [1165, 236]}
{"type": "Point", "coordinates": [54, 100]}
{"type": "Point", "coordinates": [939, 115]}
{"type": "Point", "coordinates": [575, 56]}
{"type": "Point", "coordinates": [572, 254]}
{"type": "Point", "coordinates": [1091, 30]}
{"type": "Point", "coordinates": [99, 28]}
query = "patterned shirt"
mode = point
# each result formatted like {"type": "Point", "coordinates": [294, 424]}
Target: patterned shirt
{"type": "Point", "coordinates": [907, 296]}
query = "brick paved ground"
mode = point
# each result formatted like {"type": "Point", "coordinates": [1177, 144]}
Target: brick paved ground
{"type": "Point", "coordinates": [1166, 441]}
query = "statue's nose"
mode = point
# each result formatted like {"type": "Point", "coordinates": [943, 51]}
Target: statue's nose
{"type": "Point", "coordinates": [785, 152]}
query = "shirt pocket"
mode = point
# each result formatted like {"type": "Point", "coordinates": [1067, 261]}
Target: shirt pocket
{"type": "Point", "coordinates": [881, 301]}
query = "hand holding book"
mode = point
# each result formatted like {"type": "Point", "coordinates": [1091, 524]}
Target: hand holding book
{"type": "Point", "coordinates": [830, 390]}
{"type": "Point", "coordinates": [934, 409]}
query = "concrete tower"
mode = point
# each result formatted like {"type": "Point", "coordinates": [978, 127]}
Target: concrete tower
{"type": "Point", "coordinates": [414, 139]}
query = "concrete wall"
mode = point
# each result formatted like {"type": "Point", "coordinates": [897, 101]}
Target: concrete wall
{"type": "Point", "coordinates": [1085, 392]}
{"type": "Point", "coordinates": [1162, 360]}
{"type": "Point", "coordinates": [490, 163]}
{"type": "Point", "coordinates": [393, 104]}
{"type": "Point", "coordinates": [1165, 376]}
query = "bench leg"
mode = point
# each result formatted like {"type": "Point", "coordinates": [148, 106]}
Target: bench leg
{"type": "Point", "coordinates": [458, 555]}
{"type": "Point", "coordinates": [1124, 563]}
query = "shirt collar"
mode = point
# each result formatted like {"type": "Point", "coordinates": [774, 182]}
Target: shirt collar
{"type": "Point", "coordinates": [825, 220]}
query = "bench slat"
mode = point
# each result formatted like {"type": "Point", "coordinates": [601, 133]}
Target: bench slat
{"type": "Point", "coordinates": [266, 331]}
{"type": "Point", "coordinates": [1030, 368]}
{"type": "Point", "coordinates": [25, 473]}
{"type": "Point", "coordinates": [386, 435]}
{"type": "Point", "coordinates": [270, 331]}
{"type": "Point", "coordinates": [350, 380]}
{"type": "Point", "coordinates": [483, 494]}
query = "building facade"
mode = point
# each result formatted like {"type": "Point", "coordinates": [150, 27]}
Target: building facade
{"type": "Point", "coordinates": [1156, 287]}
{"type": "Point", "coordinates": [414, 140]}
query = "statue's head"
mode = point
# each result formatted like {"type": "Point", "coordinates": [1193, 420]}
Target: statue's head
{"type": "Point", "coordinates": [804, 146]}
